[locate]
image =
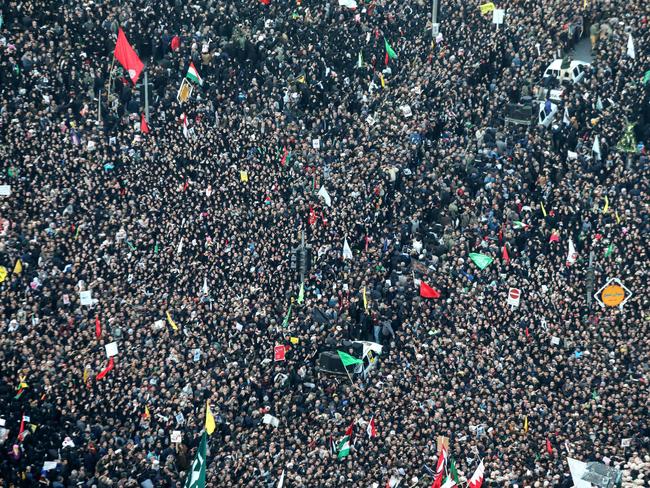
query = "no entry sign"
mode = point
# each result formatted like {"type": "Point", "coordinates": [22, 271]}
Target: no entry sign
{"type": "Point", "coordinates": [514, 295]}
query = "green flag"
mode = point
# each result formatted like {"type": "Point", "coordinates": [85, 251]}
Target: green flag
{"type": "Point", "coordinates": [196, 476]}
{"type": "Point", "coordinates": [609, 250]}
{"type": "Point", "coordinates": [646, 77]}
{"type": "Point", "coordinates": [453, 471]}
{"type": "Point", "coordinates": [518, 224]}
{"type": "Point", "coordinates": [301, 293]}
{"type": "Point", "coordinates": [627, 144]}
{"type": "Point", "coordinates": [480, 260]}
{"type": "Point", "coordinates": [285, 322]}
{"type": "Point", "coordinates": [347, 360]}
{"type": "Point", "coordinates": [344, 445]}
{"type": "Point", "coordinates": [155, 248]}
{"type": "Point", "coordinates": [389, 50]}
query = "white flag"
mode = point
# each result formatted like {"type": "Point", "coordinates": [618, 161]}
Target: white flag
{"type": "Point", "coordinates": [630, 46]}
{"type": "Point", "coordinates": [180, 247]}
{"type": "Point", "coordinates": [325, 196]}
{"type": "Point", "coordinates": [596, 148]}
{"type": "Point", "coordinates": [566, 120]}
{"type": "Point", "coordinates": [186, 131]}
{"type": "Point", "coordinates": [450, 483]}
{"type": "Point", "coordinates": [347, 252]}
{"type": "Point", "coordinates": [573, 255]}
{"type": "Point", "coordinates": [599, 104]}
{"type": "Point", "coordinates": [205, 290]}
{"type": "Point", "coordinates": [348, 3]}
{"type": "Point", "coordinates": [281, 480]}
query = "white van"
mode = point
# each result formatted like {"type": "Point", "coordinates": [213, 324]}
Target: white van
{"type": "Point", "coordinates": [573, 74]}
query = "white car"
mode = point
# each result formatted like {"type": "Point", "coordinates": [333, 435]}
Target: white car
{"type": "Point", "coordinates": [545, 117]}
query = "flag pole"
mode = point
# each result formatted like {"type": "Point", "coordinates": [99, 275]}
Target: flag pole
{"type": "Point", "coordinates": [348, 373]}
{"type": "Point", "coordinates": [110, 81]}
{"type": "Point", "coordinates": [146, 97]}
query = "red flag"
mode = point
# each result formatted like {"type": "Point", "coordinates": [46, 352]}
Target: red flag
{"type": "Point", "coordinates": [127, 57]}
{"type": "Point", "coordinates": [386, 59]}
{"type": "Point", "coordinates": [549, 448]}
{"type": "Point", "coordinates": [175, 43]}
{"type": "Point", "coordinates": [427, 292]}
{"type": "Point", "coordinates": [312, 216]}
{"type": "Point", "coordinates": [477, 478]}
{"type": "Point", "coordinates": [440, 468]}
{"type": "Point", "coordinates": [504, 254]}
{"type": "Point", "coordinates": [348, 431]}
{"type": "Point", "coordinates": [22, 427]}
{"type": "Point", "coordinates": [98, 327]}
{"type": "Point", "coordinates": [527, 334]}
{"type": "Point", "coordinates": [284, 156]}
{"type": "Point", "coordinates": [111, 365]}
{"type": "Point", "coordinates": [144, 127]}
{"type": "Point", "coordinates": [266, 2]}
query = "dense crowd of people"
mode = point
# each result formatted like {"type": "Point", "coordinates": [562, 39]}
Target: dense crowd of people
{"type": "Point", "coordinates": [183, 233]}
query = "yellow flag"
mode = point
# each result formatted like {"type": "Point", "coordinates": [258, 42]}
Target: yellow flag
{"type": "Point", "coordinates": [606, 207]}
{"type": "Point", "coordinates": [243, 176]}
{"type": "Point", "coordinates": [383, 82]}
{"type": "Point", "coordinates": [209, 419]}
{"type": "Point", "coordinates": [19, 267]}
{"type": "Point", "coordinates": [294, 340]}
{"type": "Point", "coordinates": [618, 219]}
{"type": "Point", "coordinates": [86, 375]}
{"type": "Point", "coordinates": [146, 412]}
{"type": "Point", "coordinates": [525, 424]}
{"type": "Point", "coordinates": [543, 209]}
{"type": "Point", "coordinates": [3, 273]}
{"type": "Point", "coordinates": [365, 300]}
{"type": "Point", "coordinates": [486, 8]}
{"type": "Point", "coordinates": [171, 322]}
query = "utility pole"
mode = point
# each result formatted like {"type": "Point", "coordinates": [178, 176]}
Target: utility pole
{"type": "Point", "coordinates": [99, 106]}
{"type": "Point", "coordinates": [146, 97]}
{"type": "Point", "coordinates": [435, 27]}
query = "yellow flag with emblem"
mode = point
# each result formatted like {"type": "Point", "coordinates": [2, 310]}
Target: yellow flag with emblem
{"type": "Point", "coordinates": [209, 419]}
{"type": "Point", "coordinates": [18, 268]}
{"type": "Point", "coordinates": [486, 8]}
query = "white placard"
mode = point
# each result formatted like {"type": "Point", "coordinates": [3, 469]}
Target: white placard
{"type": "Point", "coordinates": [498, 15]}
{"type": "Point", "coordinates": [48, 465]}
{"type": "Point", "coordinates": [315, 143]}
{"type": "Point", "coordinates": [2, 422]}
{"type": "Point", "coordinates": [626, 442]}
{"type": "Point", "coordinates": [270, 419]}
{"type": "Point", "coordinates": [406, 110]}
{"type": "Point", "coordinates": [370, 119]}
{"type": "Point", "coordinates": [111, 349]}
{"type": "Point", "coordinates": [86, 297]}
{"type": "Point", "coordinates": [180, 418]}
{"type": "Point", "coordinates": [176, 437]}
{"type": "Point", "coordinates": [26, 418]}
{"type": "Point", "coordinates": [5, 190]}
{"type": "Point", "coordinates": [555, 340]}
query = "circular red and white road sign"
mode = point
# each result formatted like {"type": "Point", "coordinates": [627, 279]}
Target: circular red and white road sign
{"type": "Point", "coordinates": [514, 293]}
